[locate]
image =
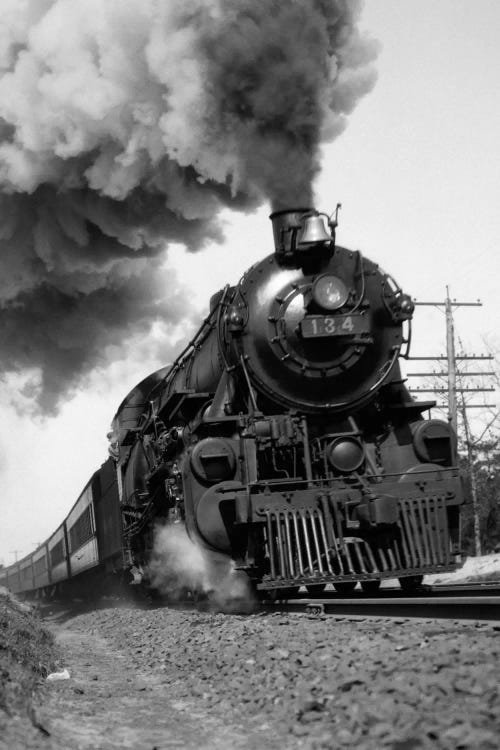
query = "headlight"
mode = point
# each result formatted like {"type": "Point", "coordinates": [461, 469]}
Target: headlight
{"type": "Point", "coordinates": [346, 454]}
{"type": "Point", "coordinates": [330, 292]}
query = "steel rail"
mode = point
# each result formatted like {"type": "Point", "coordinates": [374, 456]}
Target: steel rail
{"type": "Point", "coordinates": [456, 607]}
{"type": "Point", "coordinates": [482, 588]}
{"type": "Point", "coordinates": [479, 588]}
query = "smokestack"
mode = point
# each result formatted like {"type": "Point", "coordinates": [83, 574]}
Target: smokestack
{"type": "Point", "coordinates": [126, 126]}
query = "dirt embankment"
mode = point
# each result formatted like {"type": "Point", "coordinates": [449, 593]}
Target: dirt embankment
{"type": "Point", "coordinates": [27, 655]}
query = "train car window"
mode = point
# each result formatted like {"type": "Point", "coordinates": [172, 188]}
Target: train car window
{"type": "Point", "coordinates": [81, 531]}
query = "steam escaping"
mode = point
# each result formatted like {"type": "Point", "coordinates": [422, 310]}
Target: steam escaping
{"type": "Point", "coordinates": [177, 565]}
{"type": "Point", "coordinates": [179, 568]}
{"type": "Point", "coordinates": [127, 125]}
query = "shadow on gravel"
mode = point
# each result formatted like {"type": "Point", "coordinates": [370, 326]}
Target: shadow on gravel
{"type": "Point", "coordinates": [61, 612]}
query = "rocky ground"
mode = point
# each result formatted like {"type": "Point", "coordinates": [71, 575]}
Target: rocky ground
{"type": "Point", "coordinates": [165, 678]}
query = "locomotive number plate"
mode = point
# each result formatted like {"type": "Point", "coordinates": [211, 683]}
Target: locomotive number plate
{"type": "Point", "coordinates": [329, 325]}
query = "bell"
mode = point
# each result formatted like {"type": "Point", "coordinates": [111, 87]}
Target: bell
{"type": "Point", "coordinates": [313, 232]}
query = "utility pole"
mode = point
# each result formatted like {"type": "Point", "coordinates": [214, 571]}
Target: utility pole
{"type": "Point", "coordinates": [15, 552]}
{"type": "Point", "coordinates": [452, 370]}
{"type": "Point", "coordinates": [451, 361]}
{"type": "Point", "coordinates": [452, 390]}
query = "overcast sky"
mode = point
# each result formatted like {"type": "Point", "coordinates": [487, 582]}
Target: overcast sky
{"type": "Point", "coordinates": [417, 172]}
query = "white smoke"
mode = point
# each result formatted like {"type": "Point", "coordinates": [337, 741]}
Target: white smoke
{"type": "Point", "coordinates": [180, 569]}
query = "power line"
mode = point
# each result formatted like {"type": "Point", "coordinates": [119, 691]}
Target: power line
{"type": "Point", "coordinates": [457, 390]}
{"type": "Point", "coordinates": [441, 374]}
{"type": "Point", "coordinates": [458, 357]}
{"type": "Point", "coordinates": [452, 359]}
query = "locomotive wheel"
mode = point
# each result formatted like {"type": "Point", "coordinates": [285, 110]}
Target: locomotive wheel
{"type": "Point", "coordinates": [315, 589]}
{"type": "Point", "coordinates": [370, 587]}
{"type": "Point", "coordinates": [410, 583]}
{"type": "Point", "coordinates": [345, 587]}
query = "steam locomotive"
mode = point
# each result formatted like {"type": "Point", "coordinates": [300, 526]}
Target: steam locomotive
{"type": "Point", "coordinates": [283, 437]}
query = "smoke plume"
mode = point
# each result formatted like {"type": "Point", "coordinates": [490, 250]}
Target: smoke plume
{"type": "Point", "coordinates": [177, 565]}
{"type": "Point", "coordinates": [127, 125]}
{"type": "Point", "coordinates": [180, 568]}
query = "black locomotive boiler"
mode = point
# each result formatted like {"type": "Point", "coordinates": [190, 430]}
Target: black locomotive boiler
{"type": "Point", "coordinates": [284, 437]}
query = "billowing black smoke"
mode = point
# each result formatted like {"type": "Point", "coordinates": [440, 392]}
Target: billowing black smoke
{"type": "Point", "coordinates": [127, 125]}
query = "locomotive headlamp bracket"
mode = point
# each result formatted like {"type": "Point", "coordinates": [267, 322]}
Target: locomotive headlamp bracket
{"type": "Point", "coordinates": [400, 306]}
{"type": "Point", "coordinates": [236, 315]}
{"type": "Point", "coordinates": [235, 318]}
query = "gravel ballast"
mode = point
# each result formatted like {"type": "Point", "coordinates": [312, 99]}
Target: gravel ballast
{"type": "Point", "coordinates": [167, 678]}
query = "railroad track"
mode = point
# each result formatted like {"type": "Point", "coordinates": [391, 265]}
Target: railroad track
{"type": "Point", "coordinates": [480, 602]}
{"type": "Point", "coordinates": [476, 602]}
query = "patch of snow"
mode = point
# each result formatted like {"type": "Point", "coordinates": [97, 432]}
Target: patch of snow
{"type": "Point", "coordinates": [474, 567]}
